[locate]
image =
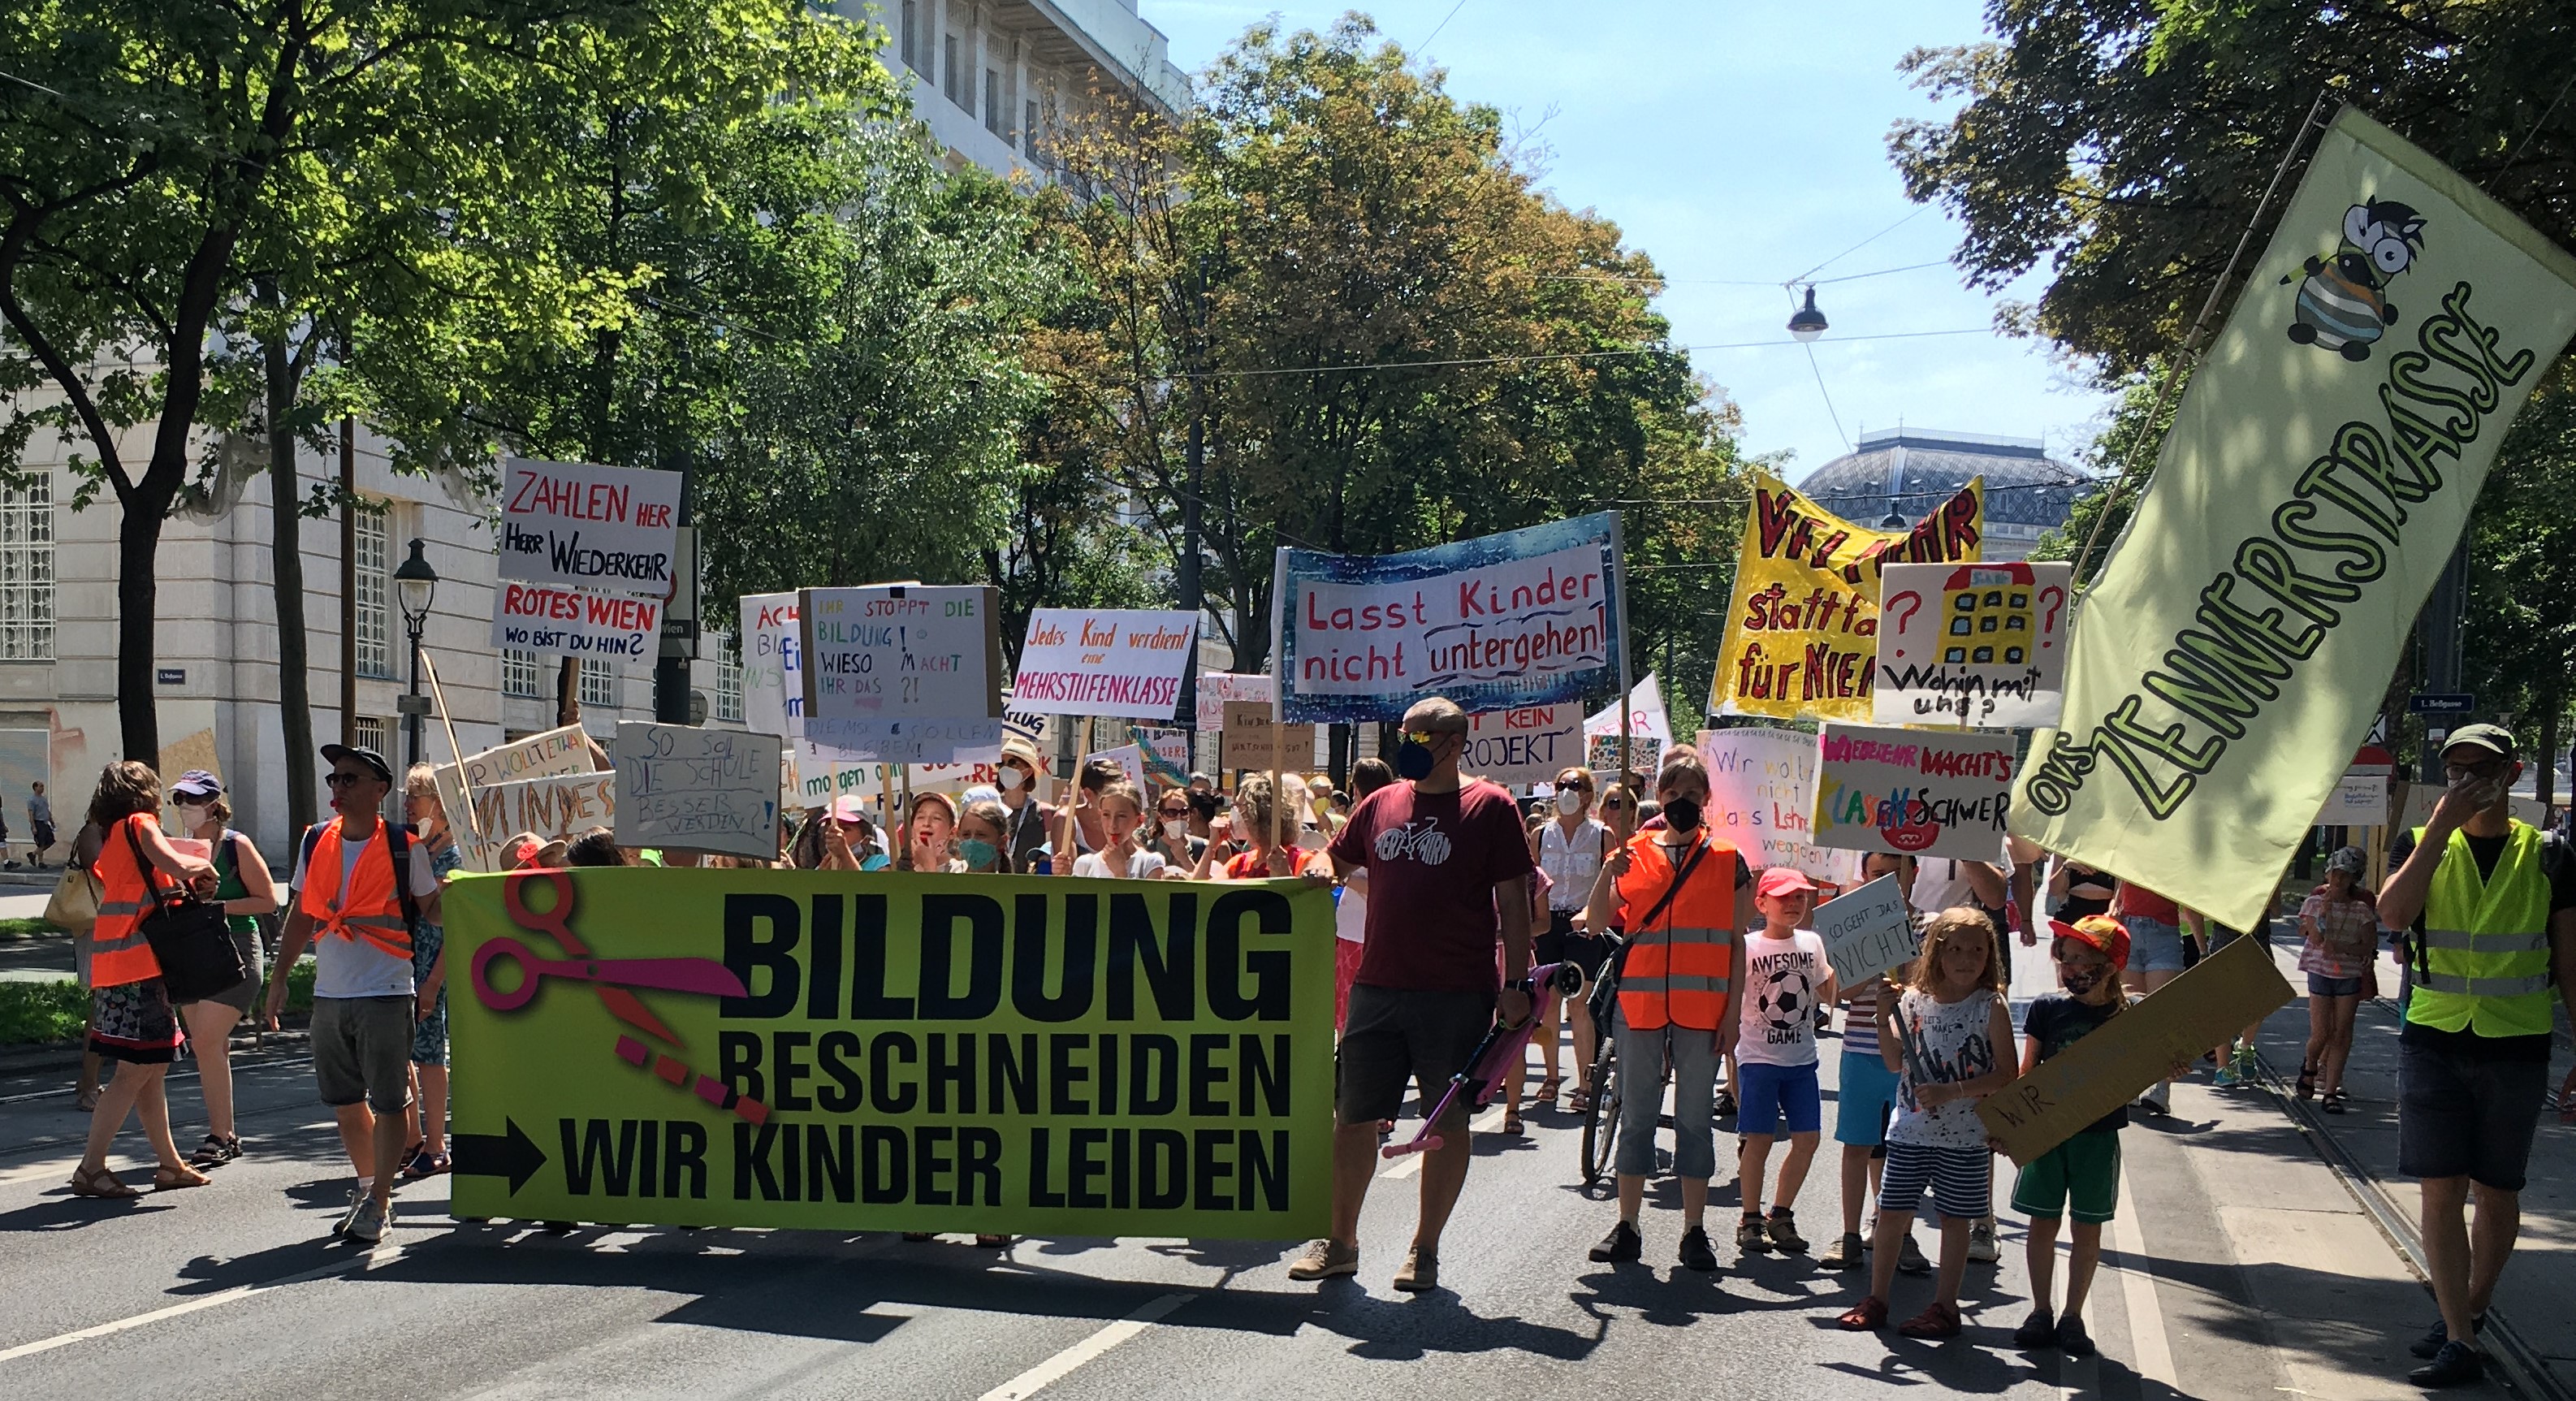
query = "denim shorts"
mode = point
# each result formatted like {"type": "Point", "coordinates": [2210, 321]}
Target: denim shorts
{"type": "Point", "coordinates": [1861, 1102]}
{"type": "Point", "coordinates": [2154, 946]}
{"type": "Point", "coordinates": [1773, 1099]}
{"type": "Point", "coordinates": [2319, 985]}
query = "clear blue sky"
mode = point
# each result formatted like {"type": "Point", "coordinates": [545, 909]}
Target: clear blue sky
{"type": "Point", "coordinates": [1743, 142]}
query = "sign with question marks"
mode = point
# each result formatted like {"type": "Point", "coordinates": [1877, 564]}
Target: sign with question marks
{"type": "Point", "coordinates": [1973, 644]}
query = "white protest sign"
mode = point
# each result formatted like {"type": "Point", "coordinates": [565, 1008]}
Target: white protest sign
{"type": "Point", "coordinates": [1866, 931]}
{"type": "Point", "coordinates": [1918, 792]}
{"type": "Point", "coordinates": [1761, 796]}
{"type": "Point", "coordinates": [579, 524]}
{"type": "Point", "coordinates": [1531, 744]}
{"type": "Point", "coordinates": [697, 790]}
{"type": "Point", "coordinates": [562, 805]}
{"type": "Point", "coordinates": [1105, 661]}
{"type": "Point", "coordinates": [934, 741]}
{"type": "Point", "coordinates": [1973, 644]}
{"type": "Point", "coordinates": [1130, 760]}
{"type": "Point", "coordinates": [572, 622]}
{"type": "Point", "coordinates": [1218, 687]}
{"type": "Point", "coordinates": [900, 652]}
{"type": "Point", "coordinates": [1646, 717]}
{"type": "Point", "coordinates": [2359, 800]}
{"type": "Point", "coordinates": [773, 672]}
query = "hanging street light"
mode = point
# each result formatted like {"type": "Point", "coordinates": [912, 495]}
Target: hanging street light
{"type": "Point", "coordinates": [1807, 323]}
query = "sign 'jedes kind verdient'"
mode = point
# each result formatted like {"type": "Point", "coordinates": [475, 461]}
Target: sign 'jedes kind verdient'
{"type": "Point", "coordinates": [893, 1052]}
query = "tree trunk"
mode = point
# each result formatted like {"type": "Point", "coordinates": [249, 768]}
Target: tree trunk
{"type": "Point", "coordinates": [568, 692]}
{"type": "Point", "coordinates": [138, 539]}
{"type": "Point", "coordinates": [286, 578]}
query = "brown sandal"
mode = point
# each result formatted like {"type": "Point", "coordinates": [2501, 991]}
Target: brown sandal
{"type": "Point", "coordinates": [1547, 1090]}
{"type": "Point", "coordinates": [99, 1182]}
{"type": "Point", "coordinates": [172, 1179]}
{"type": "Point", "coordinates": [1936, 1321]}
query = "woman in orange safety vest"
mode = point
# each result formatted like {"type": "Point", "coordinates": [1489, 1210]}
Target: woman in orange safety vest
{"type": "Point", "coordinates": [131, 1020]}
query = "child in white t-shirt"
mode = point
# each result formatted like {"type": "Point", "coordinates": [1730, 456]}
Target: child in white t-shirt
{"type": "Point", "coordinates": [1785, 979]}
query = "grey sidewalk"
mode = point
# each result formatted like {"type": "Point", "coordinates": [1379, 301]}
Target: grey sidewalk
{"type": "Point", "coordinates": [2536, 1301]}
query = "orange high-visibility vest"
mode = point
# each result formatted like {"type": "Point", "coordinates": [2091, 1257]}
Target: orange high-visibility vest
{"type": "Point", "coordinates": [118, 953]}
{"type": "Point", "coordinates": [1679, 970]}
{"type": "Point", "coordinates": [371, 909]}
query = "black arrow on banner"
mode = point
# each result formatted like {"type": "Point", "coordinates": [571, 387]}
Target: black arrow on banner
{"type": "Point", "coordinates": [512, 1155]}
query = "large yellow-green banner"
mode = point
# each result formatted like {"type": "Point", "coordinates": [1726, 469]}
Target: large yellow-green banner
{"type": "Point", "coordinates": [885, 1051]}
{"type": "Point", "coordinates": [2318, 472]}
{"type": "Point", "coordinates": [1802, 628]}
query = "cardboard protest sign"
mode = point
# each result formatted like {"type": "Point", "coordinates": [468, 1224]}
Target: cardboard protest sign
{"type": "Point", "coordinates": [1105, 661]}
{"type": "Point", "coordinates": [1973, 644]}
{"type": "Point", "coordinates": [695, 789]}
{"type": "Point", "coordinates": [1802, 628]}
{"type": "Point", "coordinates": [570, 622]}
{"type": "Point", "coordinates": [1218, 687]}
{"type": "Point", "coordinates": [2225, 993]}
{"type": "Point", "coordinates": [900, 652]}
{"type": "Point", "coordinates": [1527, 617]}
{"type": "Point", "coordinates": [565, 750]}
{"type": "Point", "coordinates": [1247, 740]}
{"type": "Point", "coordinates": [1917, 792]}
{"type": "Point", "coordinates": [1531, 744]}
{"type": "Point", "coordinates": [581, 525]}
{"type": "Point", "coordinates": [2233, 650]}
{"type": "Point", "coordinates": [1866, 931]}
{"type": "Point", "coordinates": [773, 668]}
{"type": "Point", "coordinates": [892, 1052]}
{"type": "Point", "coordinates": [562, 805]}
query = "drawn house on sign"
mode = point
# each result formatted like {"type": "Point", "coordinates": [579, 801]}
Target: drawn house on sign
{"type": "Point", "coordinates": [1989, 620]}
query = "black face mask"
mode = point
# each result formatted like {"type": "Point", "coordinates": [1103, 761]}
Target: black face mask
{"type": "Point", "coordinates": [1682, 814]}
{"type": "Point", "coordinates": [1414, 761]}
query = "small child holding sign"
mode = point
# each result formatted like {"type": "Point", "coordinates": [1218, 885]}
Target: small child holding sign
{"type": "Point", "coordinates": [2083, 1173]}
{"type": "Point", "coordinates": [1945, 1035]}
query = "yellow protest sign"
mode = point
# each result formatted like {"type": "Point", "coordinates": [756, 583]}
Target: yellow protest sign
{"type": "Point", "coordinates": [2220, 997]}
{"type": "Point", "coordinates": [1802, 629]}
{"type": "Point", "coordinates": [847, 1051]}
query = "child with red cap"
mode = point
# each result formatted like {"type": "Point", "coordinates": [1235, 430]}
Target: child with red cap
{"type": "Point", "coordinates": [2083, 1173]}
{"type": "Point", "coordinates": [1786, 978]}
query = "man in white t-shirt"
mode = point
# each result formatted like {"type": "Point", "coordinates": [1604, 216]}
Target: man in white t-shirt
{"type": "Point", "coordinates": [360, 925]}
{"type": "Point", "coordinates": [1786, 978]}
{"type": "Point", "coordinates": [1570, 848]}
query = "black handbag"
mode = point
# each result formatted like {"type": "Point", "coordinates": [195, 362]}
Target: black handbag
{"type": "Point", "coordinates": [189, 938]}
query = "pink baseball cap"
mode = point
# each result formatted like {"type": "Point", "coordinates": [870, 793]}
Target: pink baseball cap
{"type": "Point", "coordinates": [1783, 880]}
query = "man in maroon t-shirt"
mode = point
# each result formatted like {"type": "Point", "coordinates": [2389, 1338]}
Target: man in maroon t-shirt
{"type": "Point", "coordinates": [1446, 868]}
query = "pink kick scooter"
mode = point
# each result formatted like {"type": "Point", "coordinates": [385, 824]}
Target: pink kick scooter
{"type": "Point", "coordinates": [1494, 1056]}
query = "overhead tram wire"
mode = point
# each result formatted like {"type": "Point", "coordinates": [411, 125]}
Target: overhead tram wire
{"type": "Point", "coordinates": [1443, 24]}
{"type": "Point", "coordinates": [1564, 355]}
{"type": "Point", "coordinates": [1729, 281]}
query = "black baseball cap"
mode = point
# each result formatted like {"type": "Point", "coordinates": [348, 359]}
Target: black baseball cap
{"type": "Point", "coordinates": [334, 753]}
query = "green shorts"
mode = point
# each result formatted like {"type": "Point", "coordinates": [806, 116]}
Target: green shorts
{"type": "Point", "coordinates": [2085, 1167]}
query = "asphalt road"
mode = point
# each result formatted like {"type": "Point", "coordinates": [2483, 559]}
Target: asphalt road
{"type": "Point", "coordinates": [237, 1290]}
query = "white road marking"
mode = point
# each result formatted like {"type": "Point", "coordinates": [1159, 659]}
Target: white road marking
{"type": "Point", "coordinates": [1058, 1367]}
{"type": "Point", "coordinates": [1413, 1161]}
{"type": "Point", "coordinates": [382, 1255]}
{"type": "Point", "coordinates": [2138, 1291]}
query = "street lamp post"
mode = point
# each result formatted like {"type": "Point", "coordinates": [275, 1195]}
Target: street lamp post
{"type": "Point", "coordinates": [415, 586]}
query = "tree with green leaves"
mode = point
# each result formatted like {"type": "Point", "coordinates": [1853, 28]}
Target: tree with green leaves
{"type": "Point", "coordinates": [1330, 308]}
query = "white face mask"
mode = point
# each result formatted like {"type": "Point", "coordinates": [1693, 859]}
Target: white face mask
{"type": "Point", "coordinates": [1569, 801]}
{"type": "Point", "coordinates": [1175, 829]}
{"type": "Point", "coordinates": [1009, 778]}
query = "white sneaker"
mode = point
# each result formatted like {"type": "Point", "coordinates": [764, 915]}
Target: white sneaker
{"type": "Point", "coordinates": [2158, 1099]}
{"type": "Point", "coordinates": [349, 1217]}
{"type": "Point", "coordinates": [371, 1222]}
{"type": "Point", "coordinates": [1981, 1243]}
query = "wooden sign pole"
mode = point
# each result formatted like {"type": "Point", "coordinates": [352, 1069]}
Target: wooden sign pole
{"type": "Point", "coordinates": [438, 693]}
